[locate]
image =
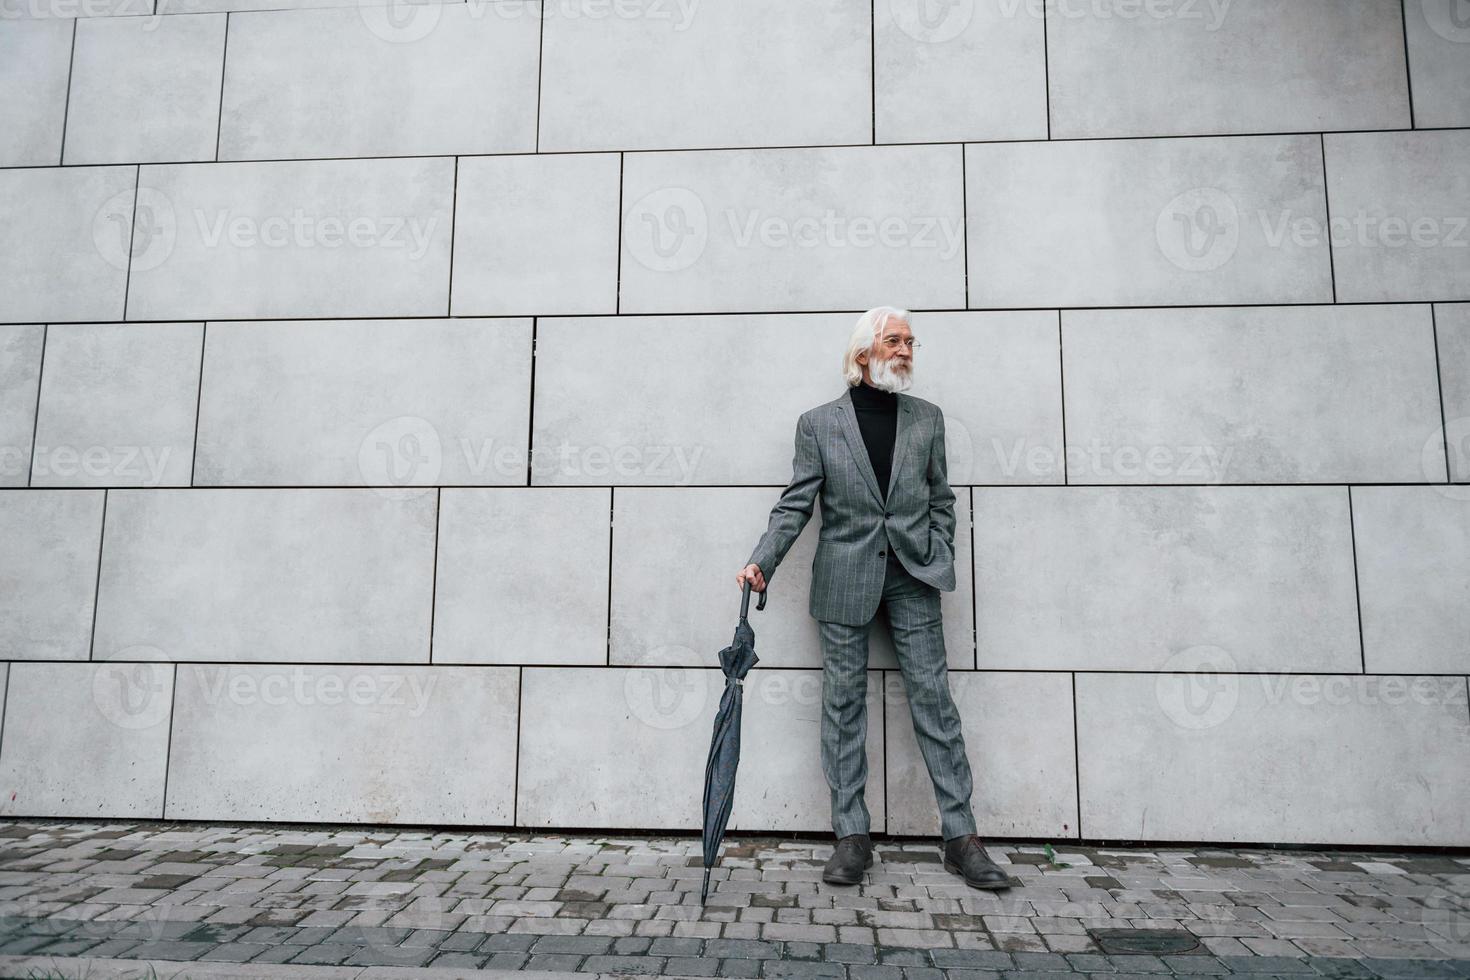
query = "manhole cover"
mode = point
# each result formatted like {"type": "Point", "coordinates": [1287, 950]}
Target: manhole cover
{"type": "Point", "coordinates": [1156, 941]}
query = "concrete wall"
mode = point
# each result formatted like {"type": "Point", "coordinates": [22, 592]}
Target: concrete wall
{"type": "Point", "coordinates": [390, 392]}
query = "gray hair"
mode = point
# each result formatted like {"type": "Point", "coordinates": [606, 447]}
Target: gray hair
{"type": "Point", "coordinates": [864, 335]}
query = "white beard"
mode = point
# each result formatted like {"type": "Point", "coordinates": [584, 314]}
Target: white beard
{"type": "Point", "coordinates": [881, 374]}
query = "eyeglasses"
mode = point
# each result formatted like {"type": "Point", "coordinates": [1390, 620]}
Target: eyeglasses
{"type": "Point", "coordinates": [892, 343]}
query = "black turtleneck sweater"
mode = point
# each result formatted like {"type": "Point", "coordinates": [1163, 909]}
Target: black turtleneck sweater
{"type": "Point", "coordinates": [877, 417]}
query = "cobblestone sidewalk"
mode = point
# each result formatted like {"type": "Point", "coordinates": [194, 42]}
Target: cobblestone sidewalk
{"type": "Point", "coordinates": [359, 899]}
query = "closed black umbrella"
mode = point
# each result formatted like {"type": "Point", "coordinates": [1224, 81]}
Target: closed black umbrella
{"type": "Point", "coordinates": [724, 749]}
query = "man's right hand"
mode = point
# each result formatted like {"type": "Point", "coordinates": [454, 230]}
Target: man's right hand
{"type": "Point", "coordinates": [754, 575]}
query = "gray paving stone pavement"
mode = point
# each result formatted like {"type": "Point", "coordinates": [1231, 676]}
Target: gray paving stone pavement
{"type": "Point", "coordinates": [206, 900]}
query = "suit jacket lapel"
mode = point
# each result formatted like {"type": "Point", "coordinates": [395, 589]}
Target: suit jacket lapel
{"type": "Point", "coordinates": [902, 439]}
{"type": "Point", "coordinates": [855, 444]}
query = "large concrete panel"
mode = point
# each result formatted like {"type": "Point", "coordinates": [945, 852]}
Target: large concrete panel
{"type": "Point", "coordinates": [684, 75]}
{"type": "Point", "coordinates": [441, 79]}
{"type": "Point", "coordinates": [117, 406]}
{"type": "Point", "coordinates": [959, 71]}
{"type": "Point", "coordinates": [814, 228]}
{"type": "Point", "coordinates": [1294, 759]}
{"type": "Point", "coordinates": [631, 752]}
{"type": "Point", "coordinates": [710, 411]}
{"type": "Point", "coordinates": [716, 397]}
{"type": "Point", "coordinates": [378, 403]}
{"type": "Point", "coordinates": [522, 576]}
{"type": "Point", "coordinates": [1452, 325]}
{"type": "Point", "coordinates": [35, 55]}
{"type": "Point", "coordinates": [295, 239]}
{"type": "Point", "coordinates": [1413, 554]}
{"type": "Point", "coordinates": [674, 597]}
{"type": "Point", "coordinates": [64, 243]}
{"type": "Point", "coordinates": [1401, 231]}
{"type": "Point", "coordinates": [997, 378]}
{"type": "Point", "coordinates": [1147, 222]}
{"type": "Point", "coordinates": [20, 376]}
{"type": "Point", "coordinates": [1159, 578]}
{"type": "Point", "coordinates": [536, 234]}
{"type": "Point", "coordinates": [145, 89]}
{"type": "Point", "coordinates": [1020, 745]}
{"type": "Point", "coordinates": [1439, 61]}
{"type": "Point", "coordinates": [48, 572]}
{"type": "Point", "coordinates": [1327, 394]}
{"type": "Point", "coordinates": [86, 740]}
{"type": "Point", "coordinates": [1242, 66]}
{"type": "Point", "coordinates": [316, 576]}
{"type": "Point", "coordinates": [344, 744]}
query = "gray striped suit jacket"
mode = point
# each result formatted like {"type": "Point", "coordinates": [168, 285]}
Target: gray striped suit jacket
{"type": "Point", "coordinates": [857, 528]}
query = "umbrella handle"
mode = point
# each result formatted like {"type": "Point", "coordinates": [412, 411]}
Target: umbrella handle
{"type": "Point", "coordinates": [745, 601]}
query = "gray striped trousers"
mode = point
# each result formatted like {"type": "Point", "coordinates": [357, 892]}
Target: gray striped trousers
{"type": "Point", "coordinates": [918, 641]}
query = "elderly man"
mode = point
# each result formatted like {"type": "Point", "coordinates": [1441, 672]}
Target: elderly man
{"type": "Point", "coordinates": [876, 456]}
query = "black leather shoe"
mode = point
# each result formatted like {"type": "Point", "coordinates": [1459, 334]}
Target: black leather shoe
{"type": "Point", "coordinates": [966, 857]}
{"type": "Point", "coordinates": [852, 855]}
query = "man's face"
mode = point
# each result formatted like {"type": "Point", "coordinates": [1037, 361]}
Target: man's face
{"type": "Point", "coordinates": [893, 347]}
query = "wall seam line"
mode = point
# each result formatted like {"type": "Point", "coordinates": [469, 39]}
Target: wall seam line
{"type": "Point", "coordinates": [1327, 211]}
{"type": "Point", "coordinates": [1076, 754]}
{"type": "Point", "coordinates": [36, 416]}
{"type": "Point", "coordinates": [132, 232]}
{"type": "Point", "coordinates": [168, 750]}
{"type": "Point", "coordinates": [1357, 588]}
{"type": "Point", "coordinates": [453, 214]}
{"type": "Point", "coordinates": [219, 119]}
{"type": "Point", "coordinates": [71, 61]}
{"type": "Point", "coordinates": [97, 580]}
{"type": "Point", "coordinates": [434, 569]}
{"type": "Point", "coordinates": [531, 406]}
{"type": "Point", "coordinates": [342, 158]}
{"type": "Point", "coordinates": [1444, 429]}
{"type": "Point", "coordinates": [198, 401]}
{"type": "Point", "coordinates": [1408, 65]}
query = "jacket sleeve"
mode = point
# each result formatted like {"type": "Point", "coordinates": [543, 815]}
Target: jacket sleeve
{"type": "Point", "coordinates": [794, 509]}
{"type": "Point", "coordinates": [941, 497]}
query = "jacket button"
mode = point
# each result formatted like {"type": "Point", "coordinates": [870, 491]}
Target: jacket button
{"type": "Point", "coordinates": [882, 554]}
{"type": "Point", "coordinates": [887, 515]}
